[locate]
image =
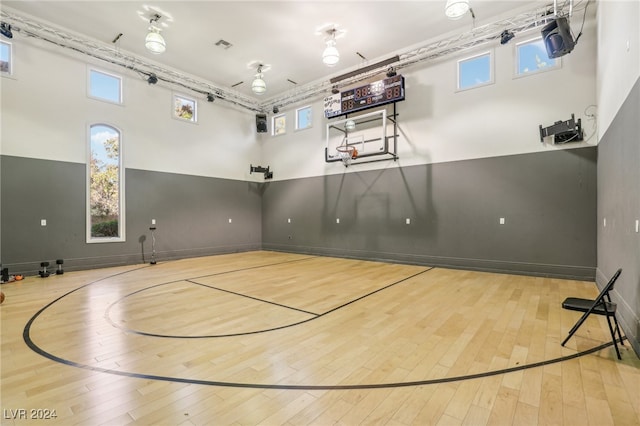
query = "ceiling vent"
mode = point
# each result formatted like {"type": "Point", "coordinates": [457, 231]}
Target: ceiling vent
{"type": "Point", "coordinates": [224, 44]}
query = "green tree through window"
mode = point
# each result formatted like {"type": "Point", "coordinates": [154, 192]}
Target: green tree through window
{"type": "Point", "coordinates": [105, 183]}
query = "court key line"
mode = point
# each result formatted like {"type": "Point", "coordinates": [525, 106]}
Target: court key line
{"type": "Point", "coordinates": [266, 330]}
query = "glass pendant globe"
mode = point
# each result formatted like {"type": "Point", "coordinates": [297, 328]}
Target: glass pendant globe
{"type": "Point", "coordinates": [330, 56]}
{"type": "Point", "coordinates": [258, 86]}
{"type": "Point", "coordinates": [455, 9]}
{"type": "Point", "coordinates": [155, 42]}
{"type": "Point", "coordinates": [350, 125]}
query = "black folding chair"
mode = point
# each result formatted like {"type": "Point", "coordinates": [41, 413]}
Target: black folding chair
{"type": "Point", "coordinates": [601, 305]}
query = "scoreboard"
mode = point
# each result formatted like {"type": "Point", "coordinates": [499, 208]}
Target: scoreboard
{"type": "Point", "coordinates": [374, 94]}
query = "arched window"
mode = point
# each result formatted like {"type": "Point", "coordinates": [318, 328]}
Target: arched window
{"type": "Point", "coordinates": [105, 185]}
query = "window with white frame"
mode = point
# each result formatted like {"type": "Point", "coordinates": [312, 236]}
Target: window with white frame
{"type": "Point", "coordinates": [303, 117]}
{"type": "Point", "coordinates": [105, 185]}
{"type": "Point", "coordinates": [6, 63]}
{"type": "Point", "coordinates": [105, 86]}
{"type": "Point", "coordinates": [532, 57]}
{"type": "Point", "coordinates": [475, 71]}
{"type": "Point", "coordinates": [279, 125]}
{"type": "Point", "coordinates": [185, 108]}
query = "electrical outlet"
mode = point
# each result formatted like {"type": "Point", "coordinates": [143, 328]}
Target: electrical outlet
{"type": "Point", "coordinates": [337, 220]}
{"type": "Point", "coordinates": [230, 220]}
{"type": "Point", "coordinates": [637, 225]}
{"type": "Point", "coordinates": [502, 221]}
{"type": "Point", "coordinates": [289, 220]}
{"type": "Point", "coordinates": [43, 222]}
{"type": "Point", "coordinates": [408, 221]}
{"type": "Point", "coordinates": [153, 221]}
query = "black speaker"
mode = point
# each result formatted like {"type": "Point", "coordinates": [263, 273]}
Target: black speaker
{"type": "Point", "coordinates": [557, 38]}
{"type": "Point", "coordinates": [261, 123]}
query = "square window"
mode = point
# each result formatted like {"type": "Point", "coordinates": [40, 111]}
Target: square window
{"type": "Point", "coordinates": [532, 57]}
{"type": "Point", "coordinates": [184, 108]}
{"type": "Point", "coordinates": [279, 125]}
{"type": "Point", "coordinates": [104, 86]}
{"type": "Point", "coordinates": [475, 71]}
{"type": "Point", "coordinates": [5, 58]}
{"type": "Point", "coordinates": [303, 118]}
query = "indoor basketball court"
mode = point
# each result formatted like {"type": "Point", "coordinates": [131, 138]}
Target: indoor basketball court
{"type": "Point", "coordinates": [320, 213]}
{"type": "Point", "coordinates": [307, 339]}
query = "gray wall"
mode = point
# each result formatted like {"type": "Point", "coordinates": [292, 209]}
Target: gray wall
{"type": "Point", "coordinates": [548, 201]}
{"type": "Point", "coordinates": [192, 215]}
{"type": "Point", "coordinates": [619, 203]}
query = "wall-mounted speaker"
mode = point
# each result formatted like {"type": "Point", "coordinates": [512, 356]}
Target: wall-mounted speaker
{"type": "Point", "coordinates": [261, 123]}
{"type": "Point", "coordinates": [557, 38]}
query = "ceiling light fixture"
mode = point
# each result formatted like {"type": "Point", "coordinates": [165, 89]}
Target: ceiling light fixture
{"type": "Point", "coordinates": [5, 30]}
{"type": "Point", "coordinates": [455, 9]}
{"type": "Point", "coordinates": [331, 56]}
{"type": "Point", "coordinates": [210, 97]}
{"type": "Point", "coordinates": [154, 41]}
{"type": "Point", "coordinates": [391, 72]}
{"type": "Point", "coordinates": [259, 86]}
{"type": "Point", "coordinates": [153, 79]}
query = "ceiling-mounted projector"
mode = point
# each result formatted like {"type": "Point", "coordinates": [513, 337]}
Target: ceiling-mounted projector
{"type": "Point", "coordinates": [557, 38]}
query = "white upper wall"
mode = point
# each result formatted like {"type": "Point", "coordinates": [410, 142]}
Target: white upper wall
{"type": "Point", "coordinates": [46, 114]}
{"type": "Point", "coordinates": [438, 124]}
{"type": "Point", "coordinates": [618, 56]}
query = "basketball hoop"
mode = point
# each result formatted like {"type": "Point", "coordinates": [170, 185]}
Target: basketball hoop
{"type": "Point", "coordinates": [347, 153]}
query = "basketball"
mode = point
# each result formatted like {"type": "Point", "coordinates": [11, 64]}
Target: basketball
{"type": "Point", "coordinates": [1, 297]}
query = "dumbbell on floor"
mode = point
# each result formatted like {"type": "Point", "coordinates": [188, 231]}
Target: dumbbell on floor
{"type": "Point", "coordinates": [44, 273]}
{"type": "Point", "coordinates": [59, 271]}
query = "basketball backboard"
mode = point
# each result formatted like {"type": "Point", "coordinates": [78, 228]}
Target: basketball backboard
{"type": "Point", "coordinates": [367, 133]}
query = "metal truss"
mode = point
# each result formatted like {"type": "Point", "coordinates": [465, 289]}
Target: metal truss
{"type": "Point", "coordinates": [430, 51]}
{"type": "Point", "coordinates": [29, 27]}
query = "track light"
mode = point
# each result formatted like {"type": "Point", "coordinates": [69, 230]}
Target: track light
{"type": "Point", "coordinates": [335, 90]}
{"type": "Point", "coordinates": [455, 9]}
{"type": "Point", "coordinates": [154, 41]}
{"type": "Point", "coordinates": [331, 56]}
{"type": "Point", "coordinates": [152, 79]}
{"type": "Point", "coordinates": [5, 30]}
{"type": "Point", "coordinates": [391, 72]}
{"type": "Point", "coordinates": [276, 109]}
{"type": "Point", "coordinates": [210, 97]}
{"type": "Point", "coordinates": [506, 36]}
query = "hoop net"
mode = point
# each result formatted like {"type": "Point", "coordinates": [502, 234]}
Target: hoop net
{"type": "Point", "coordinates": [347, 153]}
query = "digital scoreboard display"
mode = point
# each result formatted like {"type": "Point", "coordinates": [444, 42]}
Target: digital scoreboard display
{"type": "Point", "coordinates": [378, 93]}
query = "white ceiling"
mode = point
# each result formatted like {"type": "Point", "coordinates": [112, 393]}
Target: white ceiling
{"type": "Point", "coordinates": [279, 34]}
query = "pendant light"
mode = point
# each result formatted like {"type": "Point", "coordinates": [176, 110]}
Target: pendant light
{"type": "Point", "coordinates": [155, 42]}
{"type": "Point", "coordinates": [331, 56]}
{"type": "Point", "coordinates": [259, 86]}
{"type": "Point", "coordinates": [455, 9]}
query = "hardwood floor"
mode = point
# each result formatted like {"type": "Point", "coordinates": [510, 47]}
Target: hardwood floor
{"type": "Point", "coordinates": [286, 339]}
